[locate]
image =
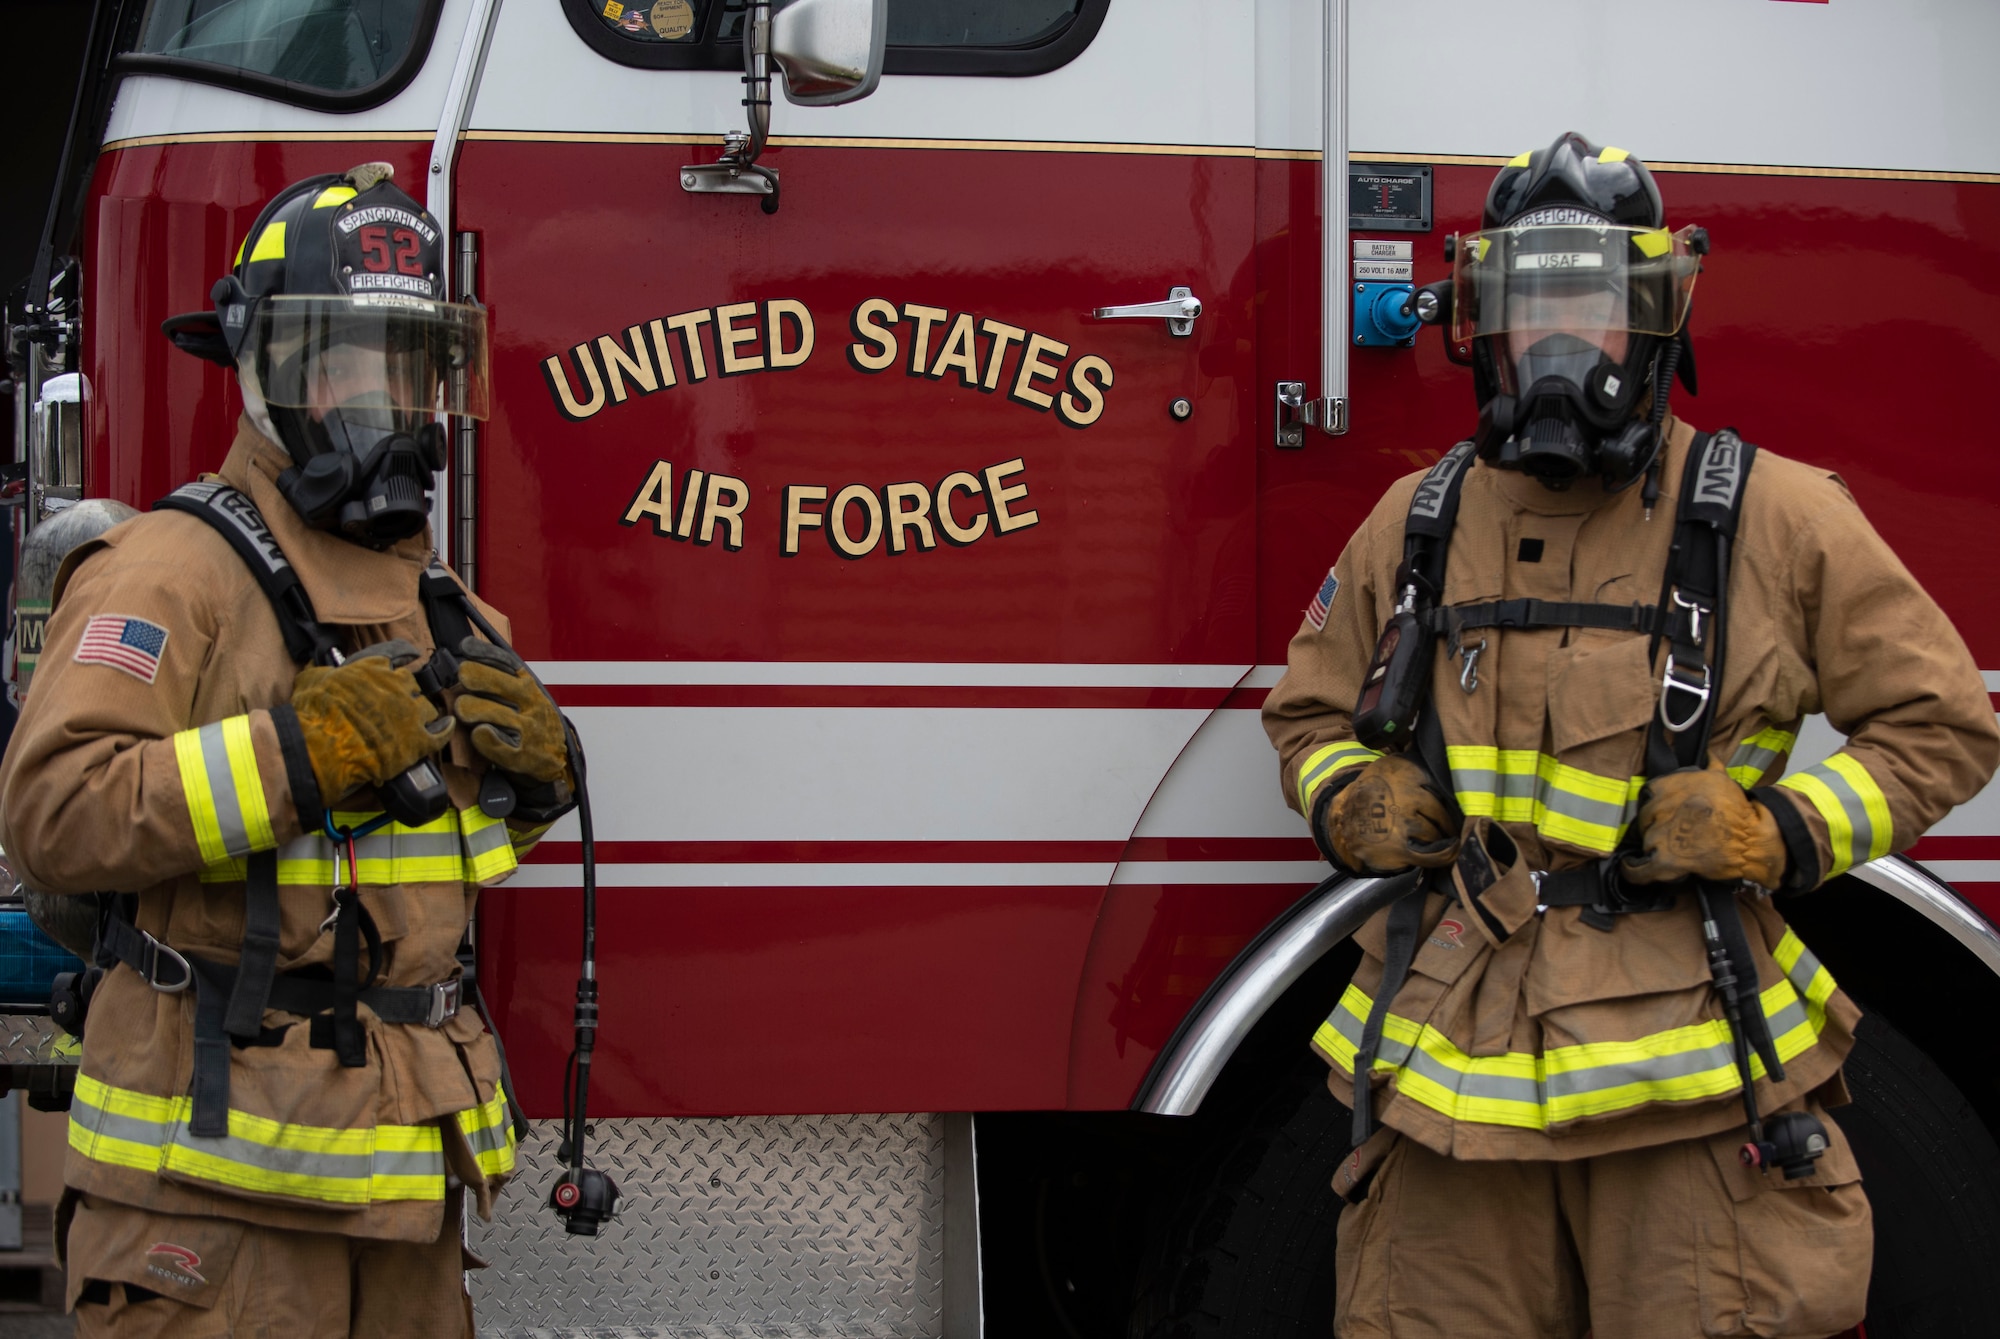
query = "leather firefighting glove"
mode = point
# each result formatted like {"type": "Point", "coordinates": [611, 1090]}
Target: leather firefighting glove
{"type": "Point", "coordinates": [1389, 818]}
{"type": "Point", "coordinates": [366, 721]}
{"type": "Point", "coordinates": [514, 724]}
{"type": "Point", "coordinates": [1701, 824]}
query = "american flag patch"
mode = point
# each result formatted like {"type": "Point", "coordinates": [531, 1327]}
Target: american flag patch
{"type": "Point", "coordinates": [1323, 601]}
{"type": "Point", "coordinates": [124, 643]}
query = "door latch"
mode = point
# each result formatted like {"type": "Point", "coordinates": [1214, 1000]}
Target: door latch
{"type": "Point", "coordinates": [1179, 311]}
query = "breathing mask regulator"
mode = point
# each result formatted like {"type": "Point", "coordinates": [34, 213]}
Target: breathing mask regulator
{"type": "Point", "coordinates": [346, 352]}
{"type": "Point", "coordinates": [1574, 299]}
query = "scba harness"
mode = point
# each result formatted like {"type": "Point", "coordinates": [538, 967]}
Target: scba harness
{"type": "Point", "coordinates": [1690, 620]}
{"type": "Point", "coordinates": [231, 998]}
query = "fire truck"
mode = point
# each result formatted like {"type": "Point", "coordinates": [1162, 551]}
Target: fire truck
{"type": "Point", "coordinates": [909, 489]}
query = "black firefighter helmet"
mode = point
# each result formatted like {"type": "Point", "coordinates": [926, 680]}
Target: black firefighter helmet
{"type": "Point", "coordinates": [335, 320]}
{"type": "Point", "coordinates": [1574, 297]}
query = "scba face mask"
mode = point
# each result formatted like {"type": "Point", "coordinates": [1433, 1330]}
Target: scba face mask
{"type": "Point", "coordinates": [359, 383]}
{"type": "Point", "coordinates": [346, 353]}
{"type": "Point", "coordinates": [1570, 313]}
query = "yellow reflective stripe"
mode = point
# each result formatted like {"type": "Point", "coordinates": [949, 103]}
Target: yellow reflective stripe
{"type": "Point", "coordinates": [523, 840]}
{"type": "Point", "coordinates": [1520, 159]}
{"type": "Point", "coordinates": [270, 243]}
{"type": "Point", "coordinates": [1756, 756]}
{"type": "Point", "coordinates": [1873, 802]}
{"type": "Point", "coordinates": [333, 195]}
{"type": "Point", "coordinates": [489, 1131]}
{"type": "Point", "coordinates": [249, 782]}
{"type": "Point", "coordinates": [436, 852]}
{"type": "Point", "coordinates": [1564, 803]}
{"type": "Point", "coordinates": [1858, 823]}
{"type": "Point", "coordinates": [224, 790]}
{"type": "Point", "coordinates": [1324, 761]}
{"type": "Point", "coordinates": [1570, 1082]}
{"type": "Point", "coordinates": [146, 1132]}
{"type": "Point", "coordinates": [489, 848]}
{"type": "Point", "coordinates": [1611, 155]}
{"type": "Point", "coordinates": [195, 787]}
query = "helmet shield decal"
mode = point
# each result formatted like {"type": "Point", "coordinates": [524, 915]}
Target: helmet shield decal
{"type": "Point", "coordinates": [380, 246]}
{"type": "Point", "coordinates": [371, 352]}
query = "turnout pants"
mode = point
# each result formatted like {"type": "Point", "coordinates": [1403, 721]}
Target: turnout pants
{"type": "Point", "coordinates": [1671, 1242]}
{"type": "Point", "coordinates": [135, 1273]}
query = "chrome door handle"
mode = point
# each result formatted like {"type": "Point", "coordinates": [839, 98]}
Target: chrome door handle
{"type": "Point", "coordinates": [1179, 311]}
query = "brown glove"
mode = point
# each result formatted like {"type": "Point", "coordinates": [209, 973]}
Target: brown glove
{"type": "Point", "coordinates": [514, 724]}
{"type": "Point", "coordinates": [1703, 825]}
{"type": "Point", "coordinates": [1389, 818]}
{"type": "Point", "coordinates": [366, 721]}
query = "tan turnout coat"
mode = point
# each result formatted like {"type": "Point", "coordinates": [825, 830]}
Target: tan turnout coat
{"type": "Point", "coordinates": [95, 793]}
{"type": "Point", "coordinates": [1555, 1040]}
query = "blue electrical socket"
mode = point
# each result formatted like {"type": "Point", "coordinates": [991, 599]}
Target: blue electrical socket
{"type": "Point", "coordinates": [1382, 315]}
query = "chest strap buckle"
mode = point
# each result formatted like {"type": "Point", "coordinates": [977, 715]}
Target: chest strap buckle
{"type": "Point", "coordinates": [1670, 682]}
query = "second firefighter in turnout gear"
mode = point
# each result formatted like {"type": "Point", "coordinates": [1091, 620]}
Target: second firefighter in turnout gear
{"type": "Point", "coordinates": [284, 1101]}
{"type": "Point", "coordinates": [1551, 1116]}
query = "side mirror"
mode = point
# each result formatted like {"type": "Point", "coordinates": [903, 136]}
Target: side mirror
{"type": "Point", "coordinates": [830, 51]}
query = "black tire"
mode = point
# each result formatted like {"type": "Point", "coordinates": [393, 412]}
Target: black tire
{"type": "Point", "coordinates": [1249, 1250]}
{"type": "Point", "coordinates": [1932, 1172]}
{"type": "Point", "coordinates": [1248, 1253]}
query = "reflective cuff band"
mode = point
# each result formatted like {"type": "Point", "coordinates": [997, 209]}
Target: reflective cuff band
{"type": "Point", "coordinates": [1570, 1083]}
{"type": "Point", "coordinates": [352, 1168]}
{"type": "Point", "coordinates": [1324, 761]}
{"type": "Point", "coordinates": [224, 790]}
{"type": "Point", "coordinates": [1565, 804]}
{"type": "Point", "coordinates": [1756, 757]}
{"type": "Point", "coordinates": [461, 846]}
{"type": "Point", "coordinates": [1856, 812]}
{"type": "Point", "coordinates": [489, 1131]}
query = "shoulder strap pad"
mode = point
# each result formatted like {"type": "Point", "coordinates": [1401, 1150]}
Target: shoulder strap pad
{"type": "Point", "coordinates": [235, 517]}
{"type": "Point", "coordinates": [1433, 513]}
{"type": "Point", "coordinates": [1712, 486]}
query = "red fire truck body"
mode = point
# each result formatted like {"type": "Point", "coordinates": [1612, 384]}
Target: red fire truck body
{"type": "Point", "coordinates": [915, 619]}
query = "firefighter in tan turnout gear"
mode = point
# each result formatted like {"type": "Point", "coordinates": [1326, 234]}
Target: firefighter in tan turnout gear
{"type": "Point", "coordinates": [1550, 687]}
{"type": "Point", "coordinates": [283, 1100]}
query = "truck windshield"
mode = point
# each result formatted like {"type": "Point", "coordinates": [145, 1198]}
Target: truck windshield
{"type": "Point", "coordinates": [331, 46]}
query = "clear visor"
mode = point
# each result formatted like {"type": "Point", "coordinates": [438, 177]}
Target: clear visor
{"type": "Point", "coordinates": [1598, 283]}
{"type": "Point", "coordinates": [380, 351]}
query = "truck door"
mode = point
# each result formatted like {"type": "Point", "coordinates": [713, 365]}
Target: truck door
{"type": "Point", "coordinates": [884, 579]}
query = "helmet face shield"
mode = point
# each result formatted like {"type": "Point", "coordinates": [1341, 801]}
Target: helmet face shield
{"type": "Point", "coordinates": [1598, 282]}
{"type": "Point", "coordinates": [399, 359]}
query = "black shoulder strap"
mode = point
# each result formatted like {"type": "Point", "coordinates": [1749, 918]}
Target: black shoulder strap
{"type": "Point", "coordinates": [1692, 620]}
{"type": "Point", "coordinates": [1427, 527]}
{"type": "Point", "coordinates": [236, 518]}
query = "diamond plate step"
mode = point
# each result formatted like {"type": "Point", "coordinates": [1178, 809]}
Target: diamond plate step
{"type": "Point", "coordinates": [754, 1227]}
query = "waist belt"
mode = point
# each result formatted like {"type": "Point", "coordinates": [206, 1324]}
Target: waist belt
{"type": "Point", "coordinates": [1603, 892]}
{"type": "Point", "coordinates": [219, 987]}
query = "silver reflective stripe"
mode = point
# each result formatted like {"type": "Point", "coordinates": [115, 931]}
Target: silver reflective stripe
{"type": "Point", "coordinates": [1402, 1055]}
{"type": "Point", "coordinates": [222, 790]}
{"type": "Point", "coordinates": [1532, 788]}
{"type": "Point", "coordinates": [1857, 813]}
{"type": "Point", "coordinates": [356, 1169]}
{"type": "Point", "coordinates": [1754, 756]}
{"type": "Point", "coordinates": [486, 840]}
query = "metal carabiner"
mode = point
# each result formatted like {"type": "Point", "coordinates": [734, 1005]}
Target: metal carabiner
{"type": "Point", "coordinates": [1668, 683]}
{"type": "Point", "coordinates": [353, 880]}
{"type": "Point", "coordinates": [1696, 612]}
{"type": "Point", "coordinates": [1468, 678]}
